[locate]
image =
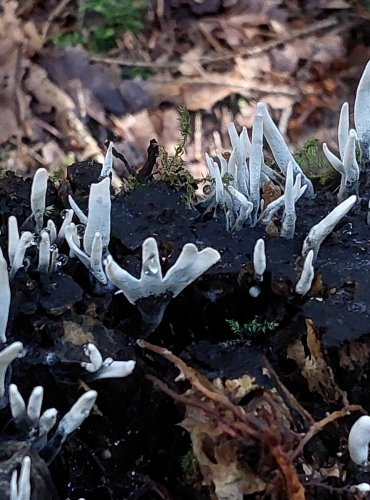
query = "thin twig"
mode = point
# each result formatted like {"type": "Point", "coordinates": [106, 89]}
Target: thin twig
{"type": "Point", "coordinates": [58, 9]}
{"type": "Point", "coordinates": [319, 426]}
{"type": "Point", "coordinates": [247, 54]}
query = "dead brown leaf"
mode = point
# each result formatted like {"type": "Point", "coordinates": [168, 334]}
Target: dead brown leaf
{"type": "Point", "coordinates": [314, 367]}
{"type": "Point", "coordinates": [220, 429]}
{"type": "Point", "coordinates": [354, 355]}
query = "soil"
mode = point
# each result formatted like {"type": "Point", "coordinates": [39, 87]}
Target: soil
{"type": "Point", "coordinates": [132, 445]}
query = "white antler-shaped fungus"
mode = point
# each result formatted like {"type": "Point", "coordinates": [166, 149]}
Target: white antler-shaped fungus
{"type": "Point", "coordinates": [189, 266]}
{"type": "Point", "coordinates": [320, 231]}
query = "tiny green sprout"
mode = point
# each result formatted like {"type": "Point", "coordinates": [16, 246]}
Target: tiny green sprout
{"type": "Point", "coordinates": [253, 327]}
{"type": "Point", "coordinates": [49, 210]}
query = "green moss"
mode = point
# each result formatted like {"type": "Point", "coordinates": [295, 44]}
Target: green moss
{"type": "Point", "coordinates": [253, 326]}
{"type": "Point", "coordinates": [313, 163]}
{"type": "Point", "coordinates": [101, 21]}
{"type": "Point", "coordinates": [173, 170]}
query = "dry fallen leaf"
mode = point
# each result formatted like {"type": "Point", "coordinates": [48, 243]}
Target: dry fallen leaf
{"type": "Point", "coordinates": [314, 367]}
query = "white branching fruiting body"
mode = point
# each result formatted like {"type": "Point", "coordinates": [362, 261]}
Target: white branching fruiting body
{"type": "Point", "coordinates": [29, 419]}
{"type": "Point", "coordinates": [20, 486]}
{"type": "Point", "coordinates": [188, 267]}
{"type": "Point", "coordinates": [93, 262]}
{"type": "Point", "coordinates": [24, 242]}
{"type": "Point", "coordinates": [259, 259]}
{"type": "Point", "coordinates": [107, 368]}
{"type": "Point", "coordinates": [358, 441]}
{"type": "Point", "coordinates": [347, 165]}
{"type": "Point", "coordinates": [320, 231]}
{"type": "Point", "coordinates": [97, 232]}
{"type": "Point", "coordinates": [362, 113]}
{"type": "Point", "coordinates": [308, 272]}
{"type": "Point", "coordinates": [38, 195]}
{"type": "Point", "coordinates": [8, 355]}
{"type": "Point", "coordinates": [237, 182]}
{"type": "Point", "coordinates": [5, 297]}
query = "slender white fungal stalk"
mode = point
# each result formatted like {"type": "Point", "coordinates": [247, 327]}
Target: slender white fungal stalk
{"type": "Point", "coordinates": [24, 242]}
{"type": "Point", "coordinates": [53, 261]}
{"type": "Point", "coordinates": [358, 441]}
{"type": "Point", "coordinates": [8, 355]}
{"type": "Point", "coordinates": [13, 238]}
{"type": "Point", "coordinates": [259, 259]}
{"type": "Point", "coordinates": [34, 404]}
{"type": "Point", "coordinates": [47, 421]}
{"type": "Point", "coordinates": [255, 165]}
{"type": "Point", "coordinates": [77, 414]}
{"type": "Point", "coordinates": [66, 222]}
{"type": "Point", "coordinates": [244, 209]}
{"type": "Point", "coordinates": [108, 162]}
{"type": "Point", "coordinates": [50, 226]}
{"type": "Point", "coordinates": [308, 272]}
{"type": "Point", "coordinates": [351, 168]}
{"type": "Point", "coordinates": [289, 216]}
{"type": "Point", "coordinates": [275, 205]}
{"type": "Point", "coordinates": [77, 210]}
{"type": "Point", "coordinates": [17, 404]}
{"type": "Point", "coordinates": [214, 172]}
{"type": "Point", "coordinates": [334, 161]}
{"type": "Point", "coordinates": [38, 195]}
{"type": "Point", "coordinates": [362, 113]}
{"type": "Point", "coordinates": [93, 262]}
{"type": "Point", "coordinates": [44, 252]}
{"type": "Point", "coordinates": [5, 297]}
{"type": "Point", "coordinates": [20, 486]}
{"type": "Point", "coordinates": [343, 128]}
{"type": "Point", "coordinates": [96, 259]}
{"type": "Point", "coordinates": [320, 231]}
{"type": "Point", "coordinates": [98, 220]}
{"type": "Point", "coordinates": [278, 147]}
